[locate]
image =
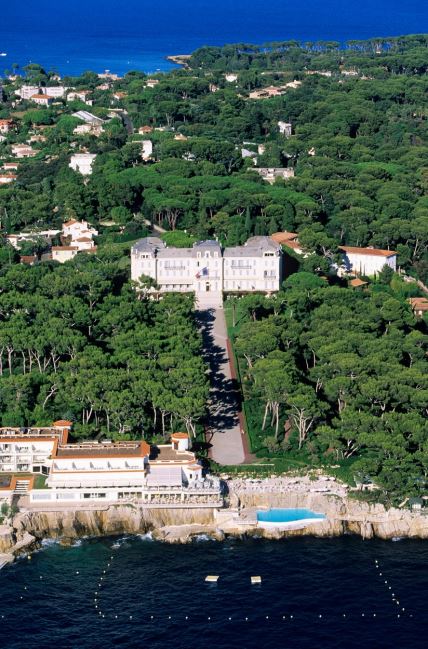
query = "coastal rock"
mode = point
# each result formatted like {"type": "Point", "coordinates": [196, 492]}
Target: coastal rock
{"type": "Point", "coordinates": [344, 515]}
{"type": "Point", "coordinates": [125, 519]}
{"type": "Point", "coordinates": [7, 538]}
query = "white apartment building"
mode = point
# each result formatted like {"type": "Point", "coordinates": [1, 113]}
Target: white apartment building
{"type": "Point", "coordinates": [25, 92]}
{"type": "Point", "coordinates": [82, 162]}
{"type": "Point", "coordinates": [30, 449]}
{"type": "Point", "coordinates": [54, 91]}
{"type": "Point", "coordinates": [206, 267]}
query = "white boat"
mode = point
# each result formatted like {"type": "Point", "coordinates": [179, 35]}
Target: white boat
{"type": "Point", "coordinates": [3, 53]}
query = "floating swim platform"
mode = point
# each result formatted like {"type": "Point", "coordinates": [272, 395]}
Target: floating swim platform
{"type": "Point", "coordinates": [213, 579]}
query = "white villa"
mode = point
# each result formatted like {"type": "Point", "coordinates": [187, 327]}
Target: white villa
{"type": "Point", "coordinates": [16, 239]}
{"type": "Point", "coordinates": [285, 128]}
{"type": "Point", "coordinates": [41, 99]}
{"type": "Point", "coordinates": [146, 149]}
{"type": "Point", "coordinates": [78, 229]}
{"type": "Point", "coordinates": [366, 261]}
{"type": "Point", "coordinates": [270, 174]}
{"type": "Point", "coordinates": [355, 261]}
{"type": "Point", "coordinates": [207, 268]}
{"type": "Point", "coordinates": [82, 162]}
{"type": "Point", "coordinates": [161, 475]}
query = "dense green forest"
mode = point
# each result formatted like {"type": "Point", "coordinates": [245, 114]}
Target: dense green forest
{"type": "Point", "coordinates": [332, 374]}
{"type": "Point", "coordinates": [358, 148]}
{"type": "Point", "coordinates": [75, 343]}
{"type": "Point", "coordinates": [329, 373]}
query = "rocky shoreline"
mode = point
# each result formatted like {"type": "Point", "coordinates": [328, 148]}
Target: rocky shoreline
{"type": "Point", "coordinates": [344, 515]}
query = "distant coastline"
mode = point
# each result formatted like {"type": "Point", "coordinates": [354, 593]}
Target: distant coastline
{"type": "Point", "coordinates": [179, 59]}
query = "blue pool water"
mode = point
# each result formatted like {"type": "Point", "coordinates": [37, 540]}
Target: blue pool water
{"type": "Point", "coordinates": [287, 515]}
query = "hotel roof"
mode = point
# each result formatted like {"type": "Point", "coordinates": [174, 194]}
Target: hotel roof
{"type": "Point", "coordinates": [166, 454]}
{"type": "Point", "coordinates": [100, 450]}
{"type": "Point", "coordinates": [254, 247]}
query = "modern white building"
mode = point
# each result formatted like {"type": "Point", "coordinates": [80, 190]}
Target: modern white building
{"type": "Point", "coordinates": [30, 449]}
{"type": "Point", "coordinates": [25, 92]}
{"type": "Point", "coordinates": [54, 91]}
{"type": "Point", "coordinates": [82, 162]}
{"type": "Point", "coordinates": [166, 475]}
{"type": "Point", "coordinates": [207, 268]}
{"type": "Point", "coordinates": [366, 261]}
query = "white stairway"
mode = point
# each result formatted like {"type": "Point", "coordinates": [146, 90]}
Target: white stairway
{"type": "Point", "coordinates": [22, 487]}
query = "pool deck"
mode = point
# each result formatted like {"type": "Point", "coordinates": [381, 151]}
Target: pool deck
{"type": "Point", "coordinates": [290, 525]}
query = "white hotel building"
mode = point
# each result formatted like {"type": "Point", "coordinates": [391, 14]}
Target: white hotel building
{"type": "Point", "coordinates": [208, 268]}
{"type": "Point", "coordinates": [163, 475]}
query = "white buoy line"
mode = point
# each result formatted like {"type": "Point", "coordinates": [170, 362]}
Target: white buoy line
{"type": "Point", "coordinates": [97, 606]}
{"type": "Point", "coordinates": [401, 610]}
{"type": "Point", "coordinates": [320, 617]}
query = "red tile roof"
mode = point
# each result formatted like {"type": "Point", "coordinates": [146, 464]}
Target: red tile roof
{"type": "Point", "coordinates": [282, 237]}
{"type": "Point", "coordinates": [357, 282]}
{"type": "Point", "coordinates": [377, 252]}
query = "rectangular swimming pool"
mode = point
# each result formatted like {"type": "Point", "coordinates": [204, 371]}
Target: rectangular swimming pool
{"type": "Point", "coordinates": [279, 516]}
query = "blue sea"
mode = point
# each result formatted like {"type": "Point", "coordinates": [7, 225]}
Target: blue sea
{"type": "Point", "coordinates": [134, 593]}
{"type": "Point", "coordinates": [123, 35]}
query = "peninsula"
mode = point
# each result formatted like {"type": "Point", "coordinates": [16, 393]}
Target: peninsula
{"type": "Point", "coordinates": [213, 295]}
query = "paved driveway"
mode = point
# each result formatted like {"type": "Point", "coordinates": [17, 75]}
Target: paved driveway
{"type": "Point", "coordinates": [223, 428]}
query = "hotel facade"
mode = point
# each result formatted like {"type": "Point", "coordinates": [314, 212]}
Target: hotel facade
{"type": "Point", "coordinates": [209, 268]}
{"type": "Point", "coordinates": [41, 465]}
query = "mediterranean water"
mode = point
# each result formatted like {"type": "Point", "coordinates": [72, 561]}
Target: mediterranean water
{"type": "Point", "coordinates": [123, 35]}
{"type": "Point", "coordinates": [133, 592]}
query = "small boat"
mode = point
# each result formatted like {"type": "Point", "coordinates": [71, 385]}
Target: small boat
{"type": "Point", "coordinates": [3, 53]}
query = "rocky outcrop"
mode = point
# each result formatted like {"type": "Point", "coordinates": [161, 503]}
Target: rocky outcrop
{"type": "Point", "coordinates": [344, 515]}
{"type": "Point", "coordinates": [110, 521]}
